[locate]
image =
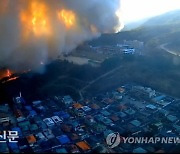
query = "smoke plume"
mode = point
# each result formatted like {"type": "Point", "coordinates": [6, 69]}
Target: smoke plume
{"type": "Point", "coordinates": [33, 31]}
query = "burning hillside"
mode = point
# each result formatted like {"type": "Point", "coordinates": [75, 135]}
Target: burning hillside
{"type": "Point", "coordinates": [37, 30]}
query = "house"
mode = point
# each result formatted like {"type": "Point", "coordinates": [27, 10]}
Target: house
{"type": "Point", "coordinates": [67, 100]}
{"type": "Point", "coordinates": [48, 133]}
{"type": "Point", "coordinates": [151, 107]}
{"type": "Point", "coordinates": [121, 114]}
{"type": "Point", "coordinates": [94, 106]}
{"type": "Point", "coordinates": [19, 116]}
{"type": "Point", "coordinates": [136, 123]}
{"type": "Point", "coordinates": [40, 137]}
{"type": "Point", "coordinates": [139, 150]}
{"type": "Point", "coordinates": [158, 125]}
{"type": "Point", "coordinates": [31, 139]}
{"type": "Point", "coordinates": [62, 114]}
{"type": "Point", "coordinates": [105, 113]}
{"type": "Point", "coordinates": [99, 117]}
{"type": "Point", "coordinates": [41, 124]}
{"type": "Point", "coordinates": [18, 130]}
{"type": "Point", "coordinates": [98, 128]}
{"type": "Point", "coordinates": [40, 108]}
{"type": "Point", "coordinates": [45, 145]}
{"type": "Point", "coordinates": [108, 101]}
{"type": "Point", "coordinates": [101, 149]}
{"type": "Point", "coordinates": [28, 107]}
{"type": "Point", "coordinates": [4, 148]}
{"type": "Point", "coordinates": [79, 113]}
{"type": "Point", "coordinates": [63, 139]}
{"type": "Point", "coordinates": [77, 105]}
{"type": "Point", "coordinates": [34, 128]}
{"type": "Point", "coordinates": [73, 149]}
{"type": "Point", "coordinates": [86, 108]}
{"type": "Point", "coordinates": [74, 124]}
{"type": "Point", "coordinates": [143, 92]}
{"type": "Point", "coordinates": [172, 118]}
{"type": "Point", "coordinates": [4, 117]}
{"type": "Point", "coordinates": [74, 136]}
{"type": "Point", "coordinates": [177, 128]}
{"type": "Point", "coordinates": [121, 90]}
{"type": "Point", "coordinates": [23, 145]}
{"type": "Point", "coordinates": [132, 129]}
{"type": "Point", "coordinates": [4, 108]}
{"type": "Point", "coordinates": [66, 128]}
{"type": "Point", "coordinates": [107, 132]}
{"type": "Point", "coordinates": [60, 150]}
{"type": "Point", "coordinates": [57, 120]}
{"type": "Point", "coordinates": [25, 125]}
{"type": "Point", "coordinates": [36, 103]}
{"type": "Point", "coordinates": [83, 146]}
{"type": "Point", "coordinates": [158, 98]}
{"type": "Point", "coordinates": [163, 112]}
{"type": "Point", "coordinates": [32, 113]}
{"type": "Point", "coordinates": [107, 121]}
{"type": "Point", "coordinates": [92, 141]}
{"type": "Point", "coordinates": [114, 118]}
{"type": "Point", "coordinates": [49, 122]}
{"type": "Point", "coordinates": [130, 111]}
{"type": "Point", "coordinates": [13, 147]}
{"type": "Point", "coordinates": [129, 51]}
{"type": "Point", "coordinates": [122, 107]}
{"type": "Point", "coordinates": [19, 100]}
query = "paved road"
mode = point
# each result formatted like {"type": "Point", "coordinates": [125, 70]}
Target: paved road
{"type": "Point", "coordinates": [163, 46]}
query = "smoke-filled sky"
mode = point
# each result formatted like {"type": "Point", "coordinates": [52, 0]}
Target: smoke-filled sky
{"type": "Point", "coordinates": [33, 31]}
{"type": "Point", "coordinates": [134, 10]}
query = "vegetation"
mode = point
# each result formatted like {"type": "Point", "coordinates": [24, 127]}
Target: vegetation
{"type": "Point", "coordinates": [157, 69]}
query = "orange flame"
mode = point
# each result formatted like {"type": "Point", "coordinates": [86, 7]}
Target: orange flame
{"type": "Point", "coordinates": [8, 73]}
{"type": "Point", "coordinates": [68, 17]}
{"type": "Point", "coordinates": [35, 20]}
{"type": "Point", "coordinates": [93, 29]}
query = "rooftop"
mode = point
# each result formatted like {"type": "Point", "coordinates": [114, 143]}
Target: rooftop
{"type": "Point", "coordinates": [136, 123]}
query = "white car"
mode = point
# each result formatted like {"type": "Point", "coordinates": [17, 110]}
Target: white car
{"type": "Point", "coordinates": [49, 122]}
{"type": "Point", "coordinates": [57, 120]}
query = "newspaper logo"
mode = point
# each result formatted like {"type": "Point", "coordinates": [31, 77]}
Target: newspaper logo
{"type": "Point", "coordinates": [8, 135]}
{"type": "Point", "coordinates": [113, 140]}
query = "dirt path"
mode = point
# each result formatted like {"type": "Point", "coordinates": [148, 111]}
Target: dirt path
{"type": "Point", "coordinates": [95, 80]}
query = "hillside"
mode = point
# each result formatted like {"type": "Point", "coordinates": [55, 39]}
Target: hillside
{"type": "Point", "coordinates": [154, 32]}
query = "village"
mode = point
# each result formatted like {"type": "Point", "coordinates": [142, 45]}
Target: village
{"type": "Point", "coordinates": [61, 124]}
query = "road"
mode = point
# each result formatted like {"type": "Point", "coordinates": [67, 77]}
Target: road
{"type": "Point", "coordinates": [163, 46]}
{"type": "Point", "coordinates": [95, 80]}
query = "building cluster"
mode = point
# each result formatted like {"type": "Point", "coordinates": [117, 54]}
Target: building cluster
{"type": "Point", "coordinates": [60, 124]}
{"type": "Point", "coordinates": [127, 47]}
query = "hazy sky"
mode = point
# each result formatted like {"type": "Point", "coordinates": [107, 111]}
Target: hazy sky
{"type": "Point", "coordinates": [134, 10]}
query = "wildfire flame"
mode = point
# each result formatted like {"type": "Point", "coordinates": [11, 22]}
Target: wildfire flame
{"type": "Point", "coordinates": [93, 29]}
{"type": "Point", "coordinates": [68, 17]}
{"type": "Point", "coordinates": [35, 19]}
{"type": "Point", "coordinates": [8, 73]}
{"type": "Point", "coordinates": [44, 29]}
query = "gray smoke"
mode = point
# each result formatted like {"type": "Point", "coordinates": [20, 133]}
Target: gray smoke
{"type": "Point", "coordinates": [21, 49]}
